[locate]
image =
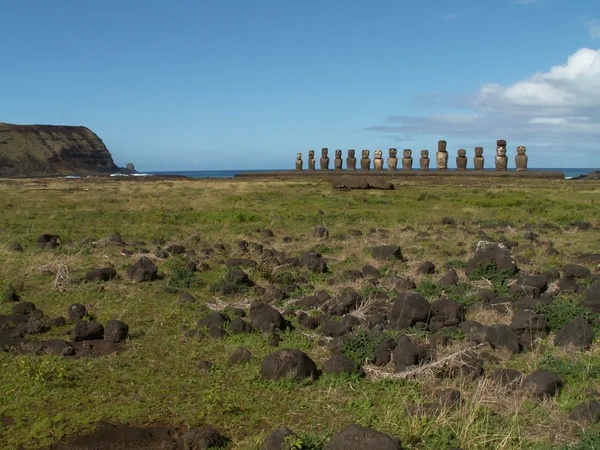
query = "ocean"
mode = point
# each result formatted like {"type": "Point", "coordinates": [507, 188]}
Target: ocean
{"type": "Point", "coordinates": [569, 172]}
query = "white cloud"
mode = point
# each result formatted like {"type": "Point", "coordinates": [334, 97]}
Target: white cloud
{"type": "Point", "coordinates": [561, 105]}
{"type": "Point", "coordinates": [593, 27]}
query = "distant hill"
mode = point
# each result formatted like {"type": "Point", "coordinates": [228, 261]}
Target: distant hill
{"type": "Point", "coordinates": [41, 150]}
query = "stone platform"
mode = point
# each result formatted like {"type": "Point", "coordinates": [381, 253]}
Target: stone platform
{"type": "Point", "coordinates": [403, 174]}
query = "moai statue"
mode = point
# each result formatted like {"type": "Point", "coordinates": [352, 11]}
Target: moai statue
{"type": "Point", "coordinates": [299, 161]}
{"type": "Point", "coordinates": [324, 161]}
{"type": "Point", "coordinates": [441, 157]}
{"type": "Point", "coordinates": [351, 160]}
{"type": "Point", "coordinates": [424, 161]}
{"type": "Point", "coordinates": [365, 161]}
{"type": "Point", "coordinates": [337, 162]}
{"type": "Point", "coordinates": [312, 162]}
{"type": "Point", "coordinates": [393, 160]}
{"type": "Point", "coordinates": [378, 160]}
{"type": "Point", "coordinates": [521, 158]}
{"type": "Point", "coordinates": [407, 160]}
{"type": "Point", "coordinates": [461, 159]}
{"type": "Point", "coordinates": [501, 158]}
{"type": "Point", "coordinates": [479, 159]}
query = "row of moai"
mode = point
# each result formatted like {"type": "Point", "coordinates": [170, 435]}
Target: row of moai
{"type": "Point", "coordinates": [441, 159]}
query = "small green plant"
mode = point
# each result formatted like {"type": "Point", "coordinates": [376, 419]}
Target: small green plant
{"type": "Point", "coordinates": [499, 280]}
{"type": "Point", "coordinates": [429, 289]}
{"type": "Point", "coordinates": [590, 440]}
{"type": "Point", "coordinates": [456, 264]}
{"type": "Point", "coordinates": [562, 310]}
{"type": "Point", "coordinates": [293, 442]}
{"type": "Point", "coordinates": [229, 281]}
{"type": "Point", "coordinates": [180, 275]}
{"type": "Point", "coordinates": [42, 370]}
{"type": "Point", "coordinates": [360, 346]}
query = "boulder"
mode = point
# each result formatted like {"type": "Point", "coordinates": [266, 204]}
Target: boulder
{"type": "Point", "coordinates": [387, 253]}
{"type": "Point", "coordinates": [408, 309]}
{"type": "Point", "coordinates": [340, 364]}
{"type": "Point", "coordinates": [238, 278]}
{"type": "Point", "coordinates": [526, 320]}
{"type": "Point", "coordinates": [202, 439]}
{"type": "Point", "coordinates": [576, 271]}
{"type": "Point", "coordinates": [216, 319]}
{"type": "Point", "coordinates": [591, 299]}
{"type": "Point", "coordinates": [335, 329]}
{"type": "Point", "coordinates": [346, 301]}
{"type": "Point", "coordinates": [370, 272]}
{"type": "Point", "coordinates": [104, 274]}
{"type": "Point", "coordinates": [383, 351]}
{"type": "Point", "coordinates": [542, 383]}
{"type": "Point", "coordinates": [239, 325]}
{"type": "Point", "coordinates": [426, 268]}
{"type": "Point", "coordinates": [48, 241]}
{"type": "Point", "coordinates": [23, 308]}
{"type": "Point", "coordinates": [320, 232]}
{"type": "Point", "coordinates": [445, 312]}
{"type": "Point", "coordinates": [490, 255]}
{"type": "Point", "coordinates": [87, 331]}
{"type": "Point", "coordinates": [288, 363]}
{"type": "Point", "coordinates": [265, 317]}
{"type": "Point", "coordinates": [450, 278]}
{"type": "Point", "coordinates": [143, 270]}
{"type": "Point", "coordinates": [502, 336]}
{"type": "Point", "coordinates": [356, 437]}
{"type": "Point", "coordinates": [116, 331]}
{"type": "Point", "coordinates": [577, 333]}
{"type": "Point", "coordinates": [76, 312]}
{"type": "Point", "coordinates": [281, 439]}
{"type": "Point", "coordinates": [406, 354]}
{"type": "Point", "coordinates": [240, 355]}
{"type": "Point", "coordinates": [588, 411]}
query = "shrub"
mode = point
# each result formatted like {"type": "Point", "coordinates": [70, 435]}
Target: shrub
{"type": "Point", "coordinates": [179, 275]}
{"type": "Point", "coordinates": [360, 346]}
{"type": "Point", "coordinates": [562, 310]}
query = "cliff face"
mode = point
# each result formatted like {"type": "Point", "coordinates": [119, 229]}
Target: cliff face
{"type": "Point", "coordinates": [39, 150]}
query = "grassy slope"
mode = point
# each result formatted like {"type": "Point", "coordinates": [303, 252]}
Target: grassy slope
{"type": "Point", "coordinates": [34, 150]}
{"type": "Point", "coordinates": [156, 379]}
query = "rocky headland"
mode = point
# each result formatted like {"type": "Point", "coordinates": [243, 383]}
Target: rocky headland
{"type": "Point", "coordinates": [49, 150]}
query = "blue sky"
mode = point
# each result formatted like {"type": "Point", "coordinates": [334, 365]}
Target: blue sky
{"type": "Point", "coordinates": [237, 84]}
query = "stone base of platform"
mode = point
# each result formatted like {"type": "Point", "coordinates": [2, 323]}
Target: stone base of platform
{"type": "Point", "coordinates": [403, 174]}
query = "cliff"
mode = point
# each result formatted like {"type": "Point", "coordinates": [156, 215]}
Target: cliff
{"type": "Point", "coordinates": [41, 150]}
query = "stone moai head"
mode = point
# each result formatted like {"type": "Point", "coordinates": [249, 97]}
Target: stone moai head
{"type": "Point", "coordinates": [324, 152]}
{"type": "Point", "coordinates": [311, 154]}
{"type": "Point", "coordinates": [478, 151]}
{"type": "Point", "coordinates": [501, 147]}
{"type": "Point", "coordinates": [378, 154]}
{"type": "Point", "coordinates": [299, 156]}
{"type": "Point", "coordinates": [365, 153]}
{"type": "Point", "coordinates": [424, 153]}
{"type": "Point", "coordinates": [338, 154]}
{"type": "Point", "coordinates": [521, 150]}
{"type": "Point", "coordinates": [393, 152]}
{"type": "Point", "coordinates": [351, 153]}
{"type": "Point", "coordinates": [462, 152]}
{"type": "Point", "coordinates": [442, 146]}
{"type": "Point", "coordinates": [407, 153]}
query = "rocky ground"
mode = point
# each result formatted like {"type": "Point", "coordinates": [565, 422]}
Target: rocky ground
{"type": "Point", "coordinates": [188, 314]}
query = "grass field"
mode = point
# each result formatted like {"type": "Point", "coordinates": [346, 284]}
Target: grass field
{"type": "Point", "coordinates": [47, 399]}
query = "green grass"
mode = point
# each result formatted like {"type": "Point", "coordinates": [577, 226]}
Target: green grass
{"type": "Point", "coordinates": [156, 380]}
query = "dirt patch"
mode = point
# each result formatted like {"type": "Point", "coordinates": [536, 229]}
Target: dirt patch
{"type": "Point", "coordinates": [120, 437]}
